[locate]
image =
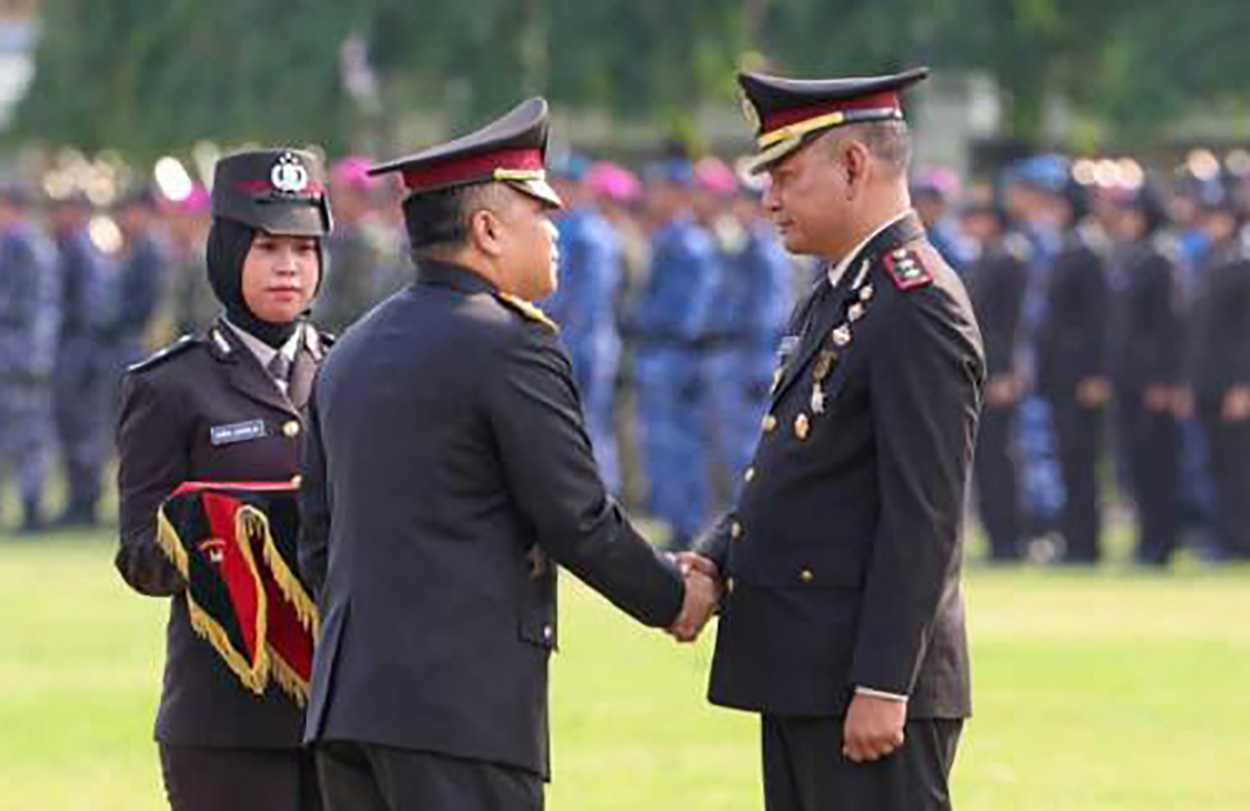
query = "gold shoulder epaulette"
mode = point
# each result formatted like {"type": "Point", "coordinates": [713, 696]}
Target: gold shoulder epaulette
{"type": "Point", "coordinates": [527, 310]}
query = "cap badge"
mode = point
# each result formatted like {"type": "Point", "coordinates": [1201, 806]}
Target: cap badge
{"type": "Point", "coordinates": [289, 175]}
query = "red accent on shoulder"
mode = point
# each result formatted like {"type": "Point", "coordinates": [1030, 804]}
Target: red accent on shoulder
{"type": "Point", "coordinates": [906, 270]}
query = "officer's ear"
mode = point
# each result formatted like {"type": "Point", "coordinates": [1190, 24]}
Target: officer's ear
{"type": "Point", "coordinates": [486, 232]}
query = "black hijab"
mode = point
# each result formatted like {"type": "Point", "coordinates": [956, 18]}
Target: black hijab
{"type": "Point", "coordinates": [228, 244]}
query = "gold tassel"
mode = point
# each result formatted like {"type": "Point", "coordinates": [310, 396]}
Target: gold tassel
{"type": "Point", "coordinates": [286, 677]}
{"type": "Point", "coordinates": [253, 675]}
{"type": "Point", "coordinates": [167, 539]}
{"type": "Point", "coordinates": [258, 526]}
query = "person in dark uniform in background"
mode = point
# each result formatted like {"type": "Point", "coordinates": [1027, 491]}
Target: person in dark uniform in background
{"type": "Point", "coordinates": [226, 406]}
{"type": "Point", "coordinates": [1219, 371]}
{"type": "Point", "coordinates": [842, 621]}
{"type": "Point", "coordinates": [1072, 369]}
{"type": "Point", "coordinates": [997, 279]}
{"type": "Point", "coordinates": [30, 326]}
{"type": "Point", "coordinates": [1148, 347]}
{"type": "Point", "coordinates": [448, 472]}
{"type": "Point", "coordinates": [82, 433]}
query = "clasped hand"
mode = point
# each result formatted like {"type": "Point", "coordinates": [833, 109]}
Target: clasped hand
{"type": "Point", "coordinates": [702, 596]}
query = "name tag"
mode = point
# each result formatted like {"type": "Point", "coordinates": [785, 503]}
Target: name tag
{"type": "Point", "coordinates": [237, 432]}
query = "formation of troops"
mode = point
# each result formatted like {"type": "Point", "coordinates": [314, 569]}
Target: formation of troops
{"type": "Point", "coordinates": [1116, 320]}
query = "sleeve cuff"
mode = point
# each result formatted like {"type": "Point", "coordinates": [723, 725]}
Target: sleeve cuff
{"type": "Point", "coordinates": [868, 691]}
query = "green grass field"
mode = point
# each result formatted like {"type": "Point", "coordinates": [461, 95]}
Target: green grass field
{"type": "Point", "coordinates": [1107, 691]}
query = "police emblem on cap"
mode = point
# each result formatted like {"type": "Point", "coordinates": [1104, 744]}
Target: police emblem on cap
{"type": "Point", "coordinates": [288, 174]}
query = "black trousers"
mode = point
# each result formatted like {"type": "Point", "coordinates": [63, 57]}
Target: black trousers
{"type": "Point", "coordinates": [1152, 451]}
{"type": "Point", "coordinates": [1078, 434]}
{"type": "Point", "coordinates": [201, 778]}
{"type": "Point", "coordinates": [997, 489]}
{"type": "Point", "coordinates": [1228, 454]}
{"type": "Point", "coordinates": [370, 777]}
{"type": "Point", "coordinates": [804, 769]}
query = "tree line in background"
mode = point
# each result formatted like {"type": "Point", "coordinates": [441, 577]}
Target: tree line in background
{"type": "Point", "coordinates": [145, 78]}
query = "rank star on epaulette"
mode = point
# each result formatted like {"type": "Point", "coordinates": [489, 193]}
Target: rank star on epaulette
{"type": "Point", "coordinates": [906, 270]}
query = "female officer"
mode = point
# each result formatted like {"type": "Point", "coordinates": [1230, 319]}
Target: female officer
{"type": "Point", "coordinates": [226, 407]}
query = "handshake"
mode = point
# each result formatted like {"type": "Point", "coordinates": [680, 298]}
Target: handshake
{"type": "Point", "coordinates": [703, 590]}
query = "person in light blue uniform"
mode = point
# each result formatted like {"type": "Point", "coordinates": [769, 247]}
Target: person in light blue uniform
{"type": "Point", "coordinates": [752, 299]}
{"type": "Point", "coordinates": [671, 322]}
{"type": "Point", "coordinates": [589, 278]}
{"type": "Point", "coordinates": [30, 324]}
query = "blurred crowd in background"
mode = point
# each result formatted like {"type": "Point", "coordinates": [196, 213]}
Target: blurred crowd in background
{"type": "Point", "coordinates": [1114, 302]}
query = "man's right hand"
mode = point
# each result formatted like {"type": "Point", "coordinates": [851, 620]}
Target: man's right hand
{"type": "Point", "coordinates": [702, 596]}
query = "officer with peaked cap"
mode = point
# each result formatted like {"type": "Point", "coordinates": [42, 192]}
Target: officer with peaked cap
{"type": "Point", "coordinates": [227, 405]}
{"type": "Point", "coordinates": [449, 473]}
{"type": "Point", "coordinates": [842, 620]}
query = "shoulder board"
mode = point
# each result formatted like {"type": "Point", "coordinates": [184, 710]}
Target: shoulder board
{"type": "Point", "coordinates": [161, 355]}
{"type": "Point", "coordinates": [906, 269]}
{"type": "Point", "coordinates": [526, 310]}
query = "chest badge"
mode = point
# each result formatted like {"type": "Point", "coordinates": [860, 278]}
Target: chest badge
{"type": "Point", "coordinates": [802, 427]}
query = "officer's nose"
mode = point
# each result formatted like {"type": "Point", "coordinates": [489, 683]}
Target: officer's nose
{"type": "Point", "coordinates": [769, 200]}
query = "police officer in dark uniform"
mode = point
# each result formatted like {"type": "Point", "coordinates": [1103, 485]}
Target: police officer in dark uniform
{"type": "Point", "coordinates": [997, 278]}
{"type": "Point", "coordinates": [1219, 370]}
{"type": "Point", "coordinates": [1148, 346]}
{"type": "Point", "coordinates": [1072, 369]}
{"type": "Point", "coordinates": [449, 471]}
{"type": "Point", "coordinates": [226, 406]}
{"type": "Point", "coordinates": [81, 430]}
{"type": "Point", "coordinates": [842, 621]}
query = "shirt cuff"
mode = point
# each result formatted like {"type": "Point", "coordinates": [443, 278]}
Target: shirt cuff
{"type": "Point", "coordinates": [868, 691]}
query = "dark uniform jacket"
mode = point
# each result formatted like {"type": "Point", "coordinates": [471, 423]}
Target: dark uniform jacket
{"type": "Point", "coordinates": [447, 461]}
{"type": "Point", "coordinates": [1072, 345]}
{"type": "Point", "coordinates": [997, 280]}
{"type": "Point", "coordinates": [1220, 349]}
{"type": "Point", "coordinates": [1149, 337]}
{"type": "Point", "coordinates": [171, 405]}
{"type": "Point", "coordinates": [843, 556]}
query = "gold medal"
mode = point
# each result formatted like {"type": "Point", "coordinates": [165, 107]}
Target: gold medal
{"type": "Point", "coordinates": [802, 426]}
{"type": "Point", "coordinates": [824, 364]}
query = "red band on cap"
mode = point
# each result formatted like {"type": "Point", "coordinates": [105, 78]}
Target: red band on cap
{"type": "Point", "coordinates": [777, 119]}
{"type": "Point", "coordinates": [473, 167]}
{"type": "Point", "coordinates": [257, 188]}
